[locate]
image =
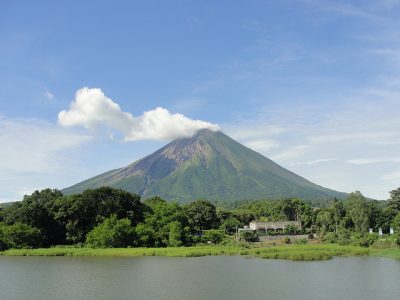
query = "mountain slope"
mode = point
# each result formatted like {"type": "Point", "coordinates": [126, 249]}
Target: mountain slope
{"type": "Point", "coordinates": [209, 165]}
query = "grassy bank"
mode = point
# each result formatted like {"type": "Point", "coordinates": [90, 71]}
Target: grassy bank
{"type": "Point", "coordinates": [390, 253]}
{"type": "Point", "coordinates": [290, 252]}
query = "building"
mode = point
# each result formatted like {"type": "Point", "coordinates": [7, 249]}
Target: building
{"type": "Point", "coordinates": [264, 227]}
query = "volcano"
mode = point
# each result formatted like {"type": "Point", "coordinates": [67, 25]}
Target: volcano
{"type": "Point", "coordinates": [209, 165]}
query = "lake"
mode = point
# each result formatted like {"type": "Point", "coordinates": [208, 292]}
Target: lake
{"type": "Point", "coordinates": [216, 277]}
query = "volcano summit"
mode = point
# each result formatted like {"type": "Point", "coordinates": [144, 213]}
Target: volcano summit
{"type": "Point", "coordinates": [209, 165]}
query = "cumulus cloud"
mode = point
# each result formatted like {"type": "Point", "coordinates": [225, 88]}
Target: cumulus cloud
{"type": "Point", "coordinates": [92, 109]}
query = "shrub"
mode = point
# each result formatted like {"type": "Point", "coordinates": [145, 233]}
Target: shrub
{"type": "Point", "coordinates": [344, 237]}
{"type": "Point", "coordinates": [112, 233]}
{"type": "Point", "coordinates": [292, 229]}
{"type": "Point", "coordinates": [301, 241]}
{"type": "Point", "coordinates": [145, 235]}
{"type": "Point", "coordinates": [287, 240]}
{"type": "Point", "coordinates": [19, 236]}
{"type": "Point", "coordinates": [229, 225]}
{"type": "Point", "coordinates": [397, 239]}
{"type": "Point", "coordinates": [213, 236]}
{"type": "Point", "coordinates": [247, 236]}
{"type": "Point", "coordinates": [330, 237]}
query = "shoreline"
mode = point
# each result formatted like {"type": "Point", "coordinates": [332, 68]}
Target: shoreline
{"type": "Point", "coordinates": [288, 252]}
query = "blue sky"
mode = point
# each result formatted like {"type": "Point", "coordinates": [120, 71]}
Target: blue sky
{"type": "Point", "coordinates": [311, 84]}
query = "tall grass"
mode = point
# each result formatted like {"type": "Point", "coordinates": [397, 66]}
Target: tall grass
{"type": "Point", "coordinates": [290, 252]}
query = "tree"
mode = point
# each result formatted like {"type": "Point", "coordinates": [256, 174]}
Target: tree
{"type": "Point", "coordinates": [394, 201]}
{"type": "Point", "coordinates": [82, 212]}
{"type": "Point", "coordinates": [112, 233]}
{"type": "Point", "coordinates": [230, 225]}
{"type": "Point", "coordinates": [359, 211]}
{"type": "Point", "coordinates": [36, 210]}
{"type": "Point", "coordinates": [245, 216]}
{"type": "Point", "coordinates": [292, 229]}
{"type": "Point", "coordinates": [213, 236]}
{"type": "Point", "coordinates": [297, 210]}
{"type": "Point", "coordinates": [145, 235]}
{"type": "Point", "coordinates": [168, 222]}
{"type": "Point", "coordinates": [337, 212]}
{"type": "Point", "coordinates": [202, 214]}
{"type": "Point", "coordinates": [176, 233]}
{"type": "Point", "coordinates": [18, 236]}
{"type": "Point", "coordinates": [396, 223]}
{"type": "Point", "coordinates": [325, 220]}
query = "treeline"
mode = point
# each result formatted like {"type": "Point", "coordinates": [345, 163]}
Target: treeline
{"type": "Point", "coordinates": [107, 217]}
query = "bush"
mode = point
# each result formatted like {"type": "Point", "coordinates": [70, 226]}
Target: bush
{"type": "Point", "coordinates": [229, 225]}
{"type": "Point", "coordinates": [213, 236]}
{"type": "Point", "coordinates": [287, 240]}
{"type": "Point", "coordinates": [301, 241]}
{"type": "Point", "coordinates": [397, 239]}
{"type": "Point", "coordinates": [292, 229]}
{"type": "Point", "coordinates": [19, 236]}
{"type": "Point", "coordinates": [385, 243]}
{"type": "Point", "coordinates": [145, 235]}
{"type": "Point", "coordinates": [330, 237]}
{"type": "Point", "coordinates": [344, 237]}
{"type": "Point", "coordinates": [112, 233]}
{"type": "Point", "coordinates": [247, 236]}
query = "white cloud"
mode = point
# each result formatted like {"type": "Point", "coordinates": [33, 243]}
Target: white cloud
{"type": "Point", "coordinates": [92, 109]}
{"type": "Point", "coordinates": [290, 154]}
{"type": "Point", "coordinates": [348, 143]}
{"type": "Point", "coordinates": [49, 95]}
{"type": "Point", "coordinates": [262, 145]}
{"type": "Point", "coordinates": [315, 161]}
{"type": "Point", "coordinates": [360, 136]}
{"type": "Point", "coordinates": [391, 177]}
{"type": "Point", "coordinates": [367, 161]}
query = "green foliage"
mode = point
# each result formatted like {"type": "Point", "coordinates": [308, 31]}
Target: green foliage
{"type": "Point", "coordinates": [247, 236]}
{"type": "Point", "coordinates": [245, 216]}
{"type": "Point", "coordinates": [301, 242]}
{"type": "Point", "coordinates": [344, 237]}
{"type": "Point", "coordinates": [36, 210]}
{"type": "Point", "coordinates": [175, 234]}
{"type": "Point", "coordinates": [278, 210]}
{"type": "Point", "coordinates": [81, 213]}
{"type": "Point", "coordinates": [367, 240]}
{"type": "Point", "coordinates": [145, 235]}
{"type": "Point", "coordinates": [230, 225]}
{"type": "Point", "coordinates": [287, 240]}
{"type": "Point", "coordinates": [359, 211]}
{"type": "Point", "coordinates": [397, 239]}
{"type": "Point", "coordinates": [293, 252]}
{"type": "Point", "coordinates": [394, 202]}
{"type": "Point", "coordinates": [167, 223]}
{"type": "Point", "coordinates": [213, 236]}
{"type": "Point", "coordinates": [330, 237]}
{"type": "Point", "coordinates": [396, 223]}
{"type": "Point", "coordinates": [112, 233]}
{"type": "Point", "coordinates": [202, 214]}
{"type": "Point", "coordinates": [106, 217]}
{"type": "Point", "coordinates": [18, 236]}
{"type": "Point", "coordinates": [292, 229]}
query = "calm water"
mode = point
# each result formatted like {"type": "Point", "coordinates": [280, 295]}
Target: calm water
{"type": "Point", "coordinates": [197, 278]}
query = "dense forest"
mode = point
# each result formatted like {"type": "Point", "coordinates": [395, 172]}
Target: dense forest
{"type": "Point", "coordinates": [107, 217]}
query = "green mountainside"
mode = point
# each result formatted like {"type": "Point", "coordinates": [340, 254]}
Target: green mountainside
{"type": "Point", "coordinates": [210, 165]}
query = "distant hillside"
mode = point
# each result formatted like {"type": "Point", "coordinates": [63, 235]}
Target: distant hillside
{"type": "Point", "coordinates": [209, 165]}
